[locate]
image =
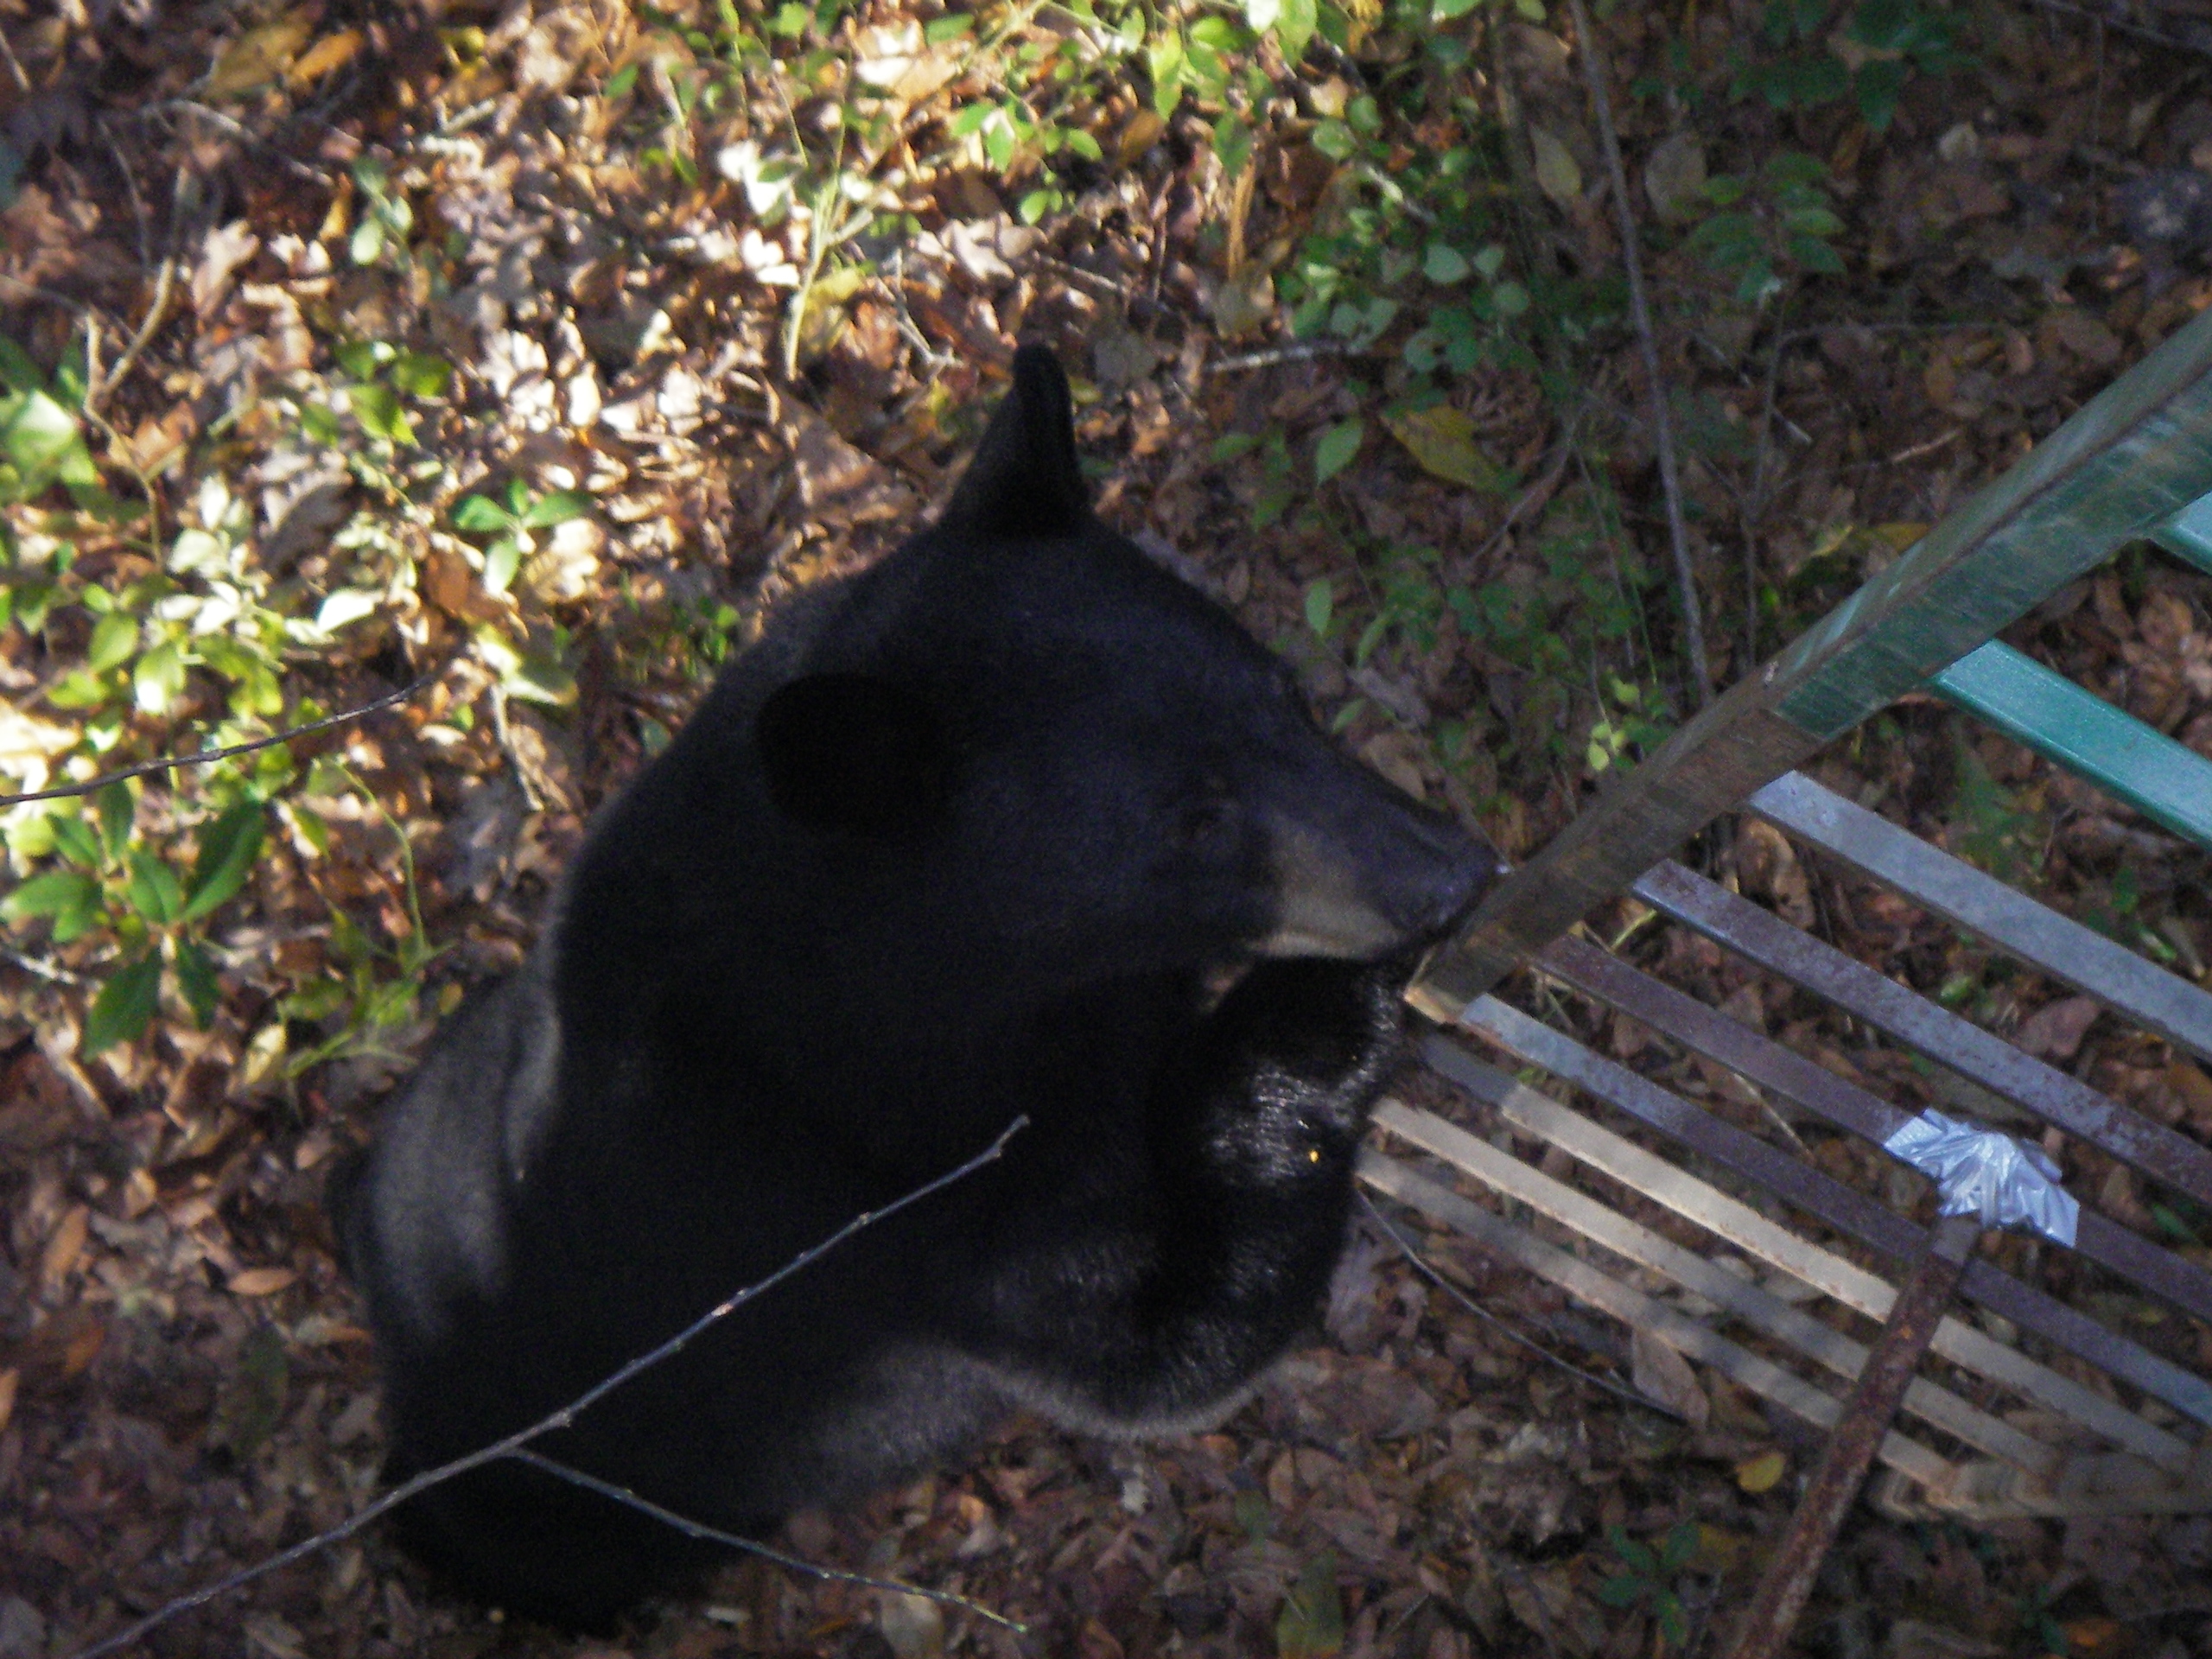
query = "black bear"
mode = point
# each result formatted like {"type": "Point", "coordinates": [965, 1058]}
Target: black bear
{"type": "Point", "coordinates": [1015, 821]}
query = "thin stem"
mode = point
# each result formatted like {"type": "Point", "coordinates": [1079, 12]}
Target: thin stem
{"type": "Point", "coordinates": [567, 1414]}
{"type": "Point", "coordinates": [1662, 428]}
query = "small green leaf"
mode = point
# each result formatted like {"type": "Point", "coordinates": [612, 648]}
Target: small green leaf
{"type": "Point", "coordinates": [1335, 140]}
{"type": "Point", "coordinates": [55, 893]}
{"type": "Point", "coordinates": [501, 560]}
{"type": "Point", "coordinates": [227, 849]}
{"type": "Point", "coordinates": [75, 840]}
{"type": "Point", "coordinates": [1624, 1591]}
{"type": "Point", "coordinates": [377, 407]}
{"type": "Point", "coordinates": [619, 83]}
{"type": "Point", "coordinates": [421, 375]}
{"type": "Point", "coordinates": [155, 891]}
{"type": "Point", "coordinates": [195, 979]}
{"type": "Point", "coordinates": [125, 1005]}
{"type": "Point", "coordinates": [1320, 607]}
{"type": "Point", "coordinates": [950, 26]}
{"type": "Point", "coordinates": [158, 680]}
{"type": "Point", "coordinates": [113, 640]}
{"type": "Point", "coordinates": [1445, 264]}
{"type": "Point", "coordinates": [118, 808]}
{"type": "Point", "coordinates": [1294, 29]}
{"type": "Point", "coordinates": [1334, 450]}
{"type": "Point", "coordinates": [479, 515]}
{"type": "Point", "coordinates": [557, 509]}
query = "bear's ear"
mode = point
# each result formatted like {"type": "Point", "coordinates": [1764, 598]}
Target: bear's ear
{"type": "Point", "coordinates": [852, 752]}
{"type": "Point", "coordinates": [1024, 479]}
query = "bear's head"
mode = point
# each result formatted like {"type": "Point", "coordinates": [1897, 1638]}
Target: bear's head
{"type": "Point", "coordinates": [1083, 767]}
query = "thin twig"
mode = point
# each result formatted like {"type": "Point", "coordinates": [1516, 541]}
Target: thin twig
{"type": "Point", "coordinates": [240, 131]}
{"type": "Point", "coordinates": [156, 313]}
{"type": "Point", "coordinates": [1663, 425]}
{"type": "Point", "coordinates": [505, 735]}
{"type": "Point", "coordinates": [130, 184]}
{"type": "Point", "coordinates": [714, 1535]}
{"type": "Point", "coordinates": [144, 768]}
{"type": "Point", "coordinates": [14, 65]}
{"type": "Point", "coordinates": [1428, 1271]}
{"type": "Point", "coordinates": [1303, 351]}
{"type": "Point", "coordinates": [561, 1418]}
{"type": "Point", "coordinates": [43, 968]}
{"type": "Point", "coordinates": [2126, 27]}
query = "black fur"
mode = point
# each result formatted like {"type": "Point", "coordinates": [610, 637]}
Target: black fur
{"type": "Point", "coordinates": [982, 831]}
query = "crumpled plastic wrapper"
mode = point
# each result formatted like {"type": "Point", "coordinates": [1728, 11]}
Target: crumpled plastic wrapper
{"type": "Point", "coordinates": [1978, 1172]}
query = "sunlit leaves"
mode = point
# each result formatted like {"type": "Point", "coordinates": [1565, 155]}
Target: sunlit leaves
{"type": "Point", "coordinates": [227, 849]}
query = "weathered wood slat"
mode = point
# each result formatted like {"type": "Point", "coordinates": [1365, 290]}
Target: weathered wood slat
{"type": "Point", "coordinates": [1867, 1294]}
{"type": "Point", "coordinates": [2141, 990]}
{"type": "Point", "coordinates": [1601, 1291]}
{"type": "Point", "coordinates": [1911, 1019]}
{"type": "Point", "coordinates": [1818, 1195]}
{"type": "Point", "coordinates": [1760, 1309]}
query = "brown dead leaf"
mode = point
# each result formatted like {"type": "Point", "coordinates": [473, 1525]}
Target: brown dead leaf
{"type": "Point", "coordinates": [836, 481]}
{"type": "Point", "coordinates": [450, 583]}
{"type": "Point", "coordinates": [63, 1246]}
{"type": "Point", "coordinates": [227, 248]}
{"type": "Point", "coordinates": [2186, 1084]}
{"type": "Point", "coordinates": [258, 56]}
{"type": "Point", "coordinates": [261, 1281]}
{"type": "Point", "coordinates": [331, 51]}
{"type": "Point", "coordinates": [2055, 1030]}
{"type": "Point", "coordinates": [1767, 866]}
{"type": "Point", "coordinates": [1397, 755]}
{"type": "Point", "coordinates": [1662, 1374]}
{"type": "Point", "coordinates": [1142, 132]}
{"type": "Point", "coordinates": [10, 1382]}
{"type": "Point", "coordinates": [62, 1348]}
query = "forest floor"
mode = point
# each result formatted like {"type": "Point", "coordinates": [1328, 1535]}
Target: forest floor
{"type": "Point", "coordinates": [523, 354]}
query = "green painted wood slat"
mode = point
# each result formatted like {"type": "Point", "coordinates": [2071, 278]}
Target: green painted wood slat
{"type": "Point", "coordinates": [2133, 762]}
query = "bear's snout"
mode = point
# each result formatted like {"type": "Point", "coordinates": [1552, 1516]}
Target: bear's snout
{"type": "Point", "coordinates": [1363, 872]}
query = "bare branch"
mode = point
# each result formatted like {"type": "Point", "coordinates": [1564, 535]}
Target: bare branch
{"type": "Point", "coordinates": [514, 1443]}
{"type": "Point", "coordinates": [206, 755]}
{"type": "Point", "coordinates": [1662, 426]}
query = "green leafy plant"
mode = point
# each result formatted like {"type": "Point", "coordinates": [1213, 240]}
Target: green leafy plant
{"type": "Point", "coordinates": [385, 220]}
{"type": "Point", "coordinates": [372, 988]}
{"type": "Point", "coordinates": [1770, 226]}
{"type": "Point", "coordinates": [41, 442]}
{"type": "Point", "coordinates": [109, 880]}
{"type": "Point", "coordinates": [1625, 727]}
{"type": "Point", "coordinates": [380, 376]}
{"type": "Point", "coordinates": [510, 521]}
{"type": "Point", "coordinates": [1648, 1576]}
{"type": "Point", "coordinates": [1810, 63]}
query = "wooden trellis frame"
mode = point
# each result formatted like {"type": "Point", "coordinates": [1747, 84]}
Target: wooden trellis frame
{"type": "Point", "coordinates": [2035, 1438]}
